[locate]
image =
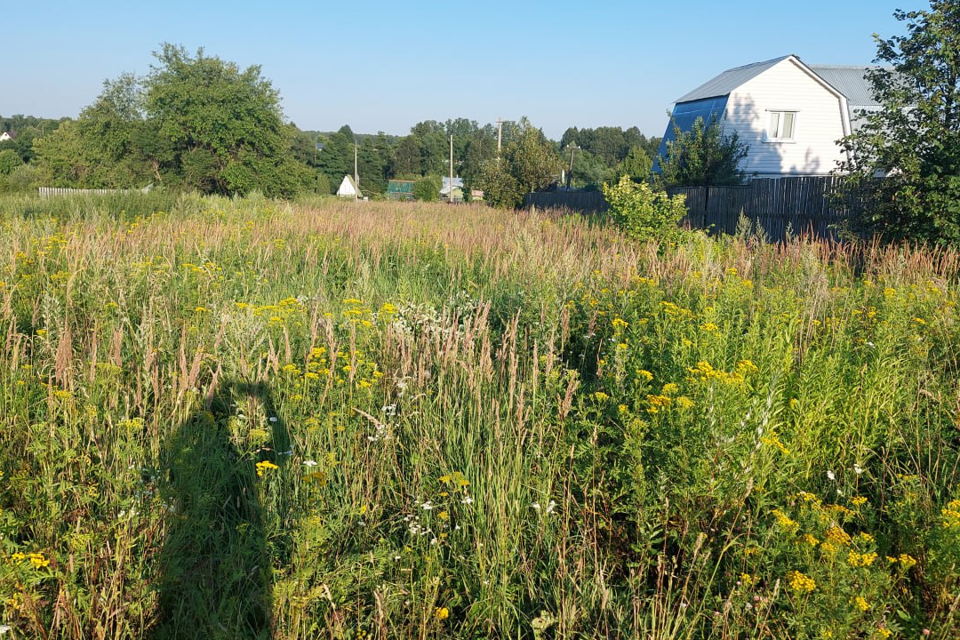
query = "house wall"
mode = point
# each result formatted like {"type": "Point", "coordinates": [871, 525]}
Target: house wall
{"type": "Point", "coordinates": [346, 190]}
{"type": "Point", "coordinates": [819, 122]}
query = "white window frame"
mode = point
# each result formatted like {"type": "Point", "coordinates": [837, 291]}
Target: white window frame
{"type": "Point", "coordinates": [780, 112]}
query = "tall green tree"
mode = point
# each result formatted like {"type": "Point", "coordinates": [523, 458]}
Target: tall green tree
{"type": "Point", "coordinates": [9, 160]}
{"type": "Point", "coordinates": [110, 145]}
{"type": "Point", "coordinates": [913, 140]}
{"type": "Point", "coordinates": [702, 156]}
{"type": "Point", "coordinates": [529, 162]}
{"type": "Point", "coordinates": [336, 159]}
{"type": "Point", "coordinates": [223, 127]}
{"type": "Point", "coordinates": [196, 122]}
{"type": "Point", "coordinates": [637, 165]}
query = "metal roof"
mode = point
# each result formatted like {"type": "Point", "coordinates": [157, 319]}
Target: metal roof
{"type": "Point", "coordinates": [684, 116]}
{"type": "Point", "coordinates": [400, 186]}
{"type": "Point", "coordinates": [851, 81]}
{"type": "Point", "coordinates": [729, 80]}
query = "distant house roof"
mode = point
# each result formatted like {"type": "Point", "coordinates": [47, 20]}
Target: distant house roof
{"type": "Point", "coordinates": [7, 135]}
{"type": "Point", "coordinates": [348, 188]}
{"type": "Point", "coordinates": [729, 80]}
{"type": "Point", "coordinates": [457, 184]}
{"type": "Point", "coordinates": [400, 186]}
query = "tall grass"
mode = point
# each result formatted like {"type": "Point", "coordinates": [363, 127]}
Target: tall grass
{"type": "Point", "coordinates": [251, 419]}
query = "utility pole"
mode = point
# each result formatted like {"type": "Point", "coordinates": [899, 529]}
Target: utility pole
{"type": "Point", "coordinates": [356, 174]}
{"type": "Point", "coordinates": [450, 193]}
{"type": "Point", "coordinates": [573, 148]}
{"type": "Point", "coordinates": [500, 122]}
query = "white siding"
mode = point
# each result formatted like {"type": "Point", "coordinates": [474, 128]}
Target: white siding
{"type": "Point", "coordinates": [819, 124]}
{"type": "Point", "coordinates": [346, 189]}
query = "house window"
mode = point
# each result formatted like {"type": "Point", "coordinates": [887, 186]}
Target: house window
{"type": "Point", "coordinates": [781, 126]}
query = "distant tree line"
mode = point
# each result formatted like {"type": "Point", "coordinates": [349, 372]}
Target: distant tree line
{"type": "Point", "coordinates": [198, 122]}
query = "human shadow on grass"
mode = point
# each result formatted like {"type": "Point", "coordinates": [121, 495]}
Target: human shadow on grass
{"type": "Point", "coordinates": [215, 564]}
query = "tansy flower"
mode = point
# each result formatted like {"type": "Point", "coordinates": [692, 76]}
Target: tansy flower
{"type": "Point", "coordinates": [800, 582]}
{"type": "Point", "coordinates": [264, 466]}
{"type": "Point", "coordinates": [442, 613]}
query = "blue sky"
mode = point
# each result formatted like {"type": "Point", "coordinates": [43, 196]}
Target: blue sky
{"type": "Point", "coordinates": [381, 65]}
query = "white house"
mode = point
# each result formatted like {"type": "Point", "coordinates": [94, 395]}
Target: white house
{"type": "Point", "coordinates": [457, 189]}
{"type": "Point", "coordinates": [791, 115]}
{"type": "Point", "coordinates": [6, 135]}
{"type": "Point", "coordinates": [349, 189]}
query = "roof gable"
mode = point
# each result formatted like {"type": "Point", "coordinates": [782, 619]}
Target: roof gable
{"type": "Point", "coordinates": [729, 80]}
{"type": "Point", "coordinates": [347, 185]}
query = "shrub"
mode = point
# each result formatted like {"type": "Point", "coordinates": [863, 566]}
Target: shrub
{"type": "Point", "coordinates": [643, 213]}
{"type": "Point", "coordinates": [9, 160]}
{"type": "Point", "coordinates": [427, 189]}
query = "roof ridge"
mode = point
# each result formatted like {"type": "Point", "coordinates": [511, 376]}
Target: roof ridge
{"type": "Point", "coordinates": [845, 66]}
{"type": "Point", "coordinates": [763, 62]}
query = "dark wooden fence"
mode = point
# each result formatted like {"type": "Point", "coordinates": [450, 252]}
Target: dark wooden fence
{"type": "Point", "coordinates": [777, 205]}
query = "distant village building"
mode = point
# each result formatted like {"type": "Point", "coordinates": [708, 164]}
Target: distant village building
{"type": "Point", "coordinates": [789, 114]}
{"type": "Point", "coordinates": [400, 189]}
{"type": "Point", "coordinates": [7, 135]}
{"type": "Point", "coordinates": [457, 190]}
{"type": "Point", "coordinates": [349, 189]}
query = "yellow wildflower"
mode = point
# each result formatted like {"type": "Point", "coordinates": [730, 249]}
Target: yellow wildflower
{"type": "Point", "coordinates": [810, 540]}
{"type": "Point", "coordinates": [906, 561]}
{"type": "Point", "coordinates": [783, 520]}
{"type": "Point", "coordinates": [264, 466]}
{"type": "Point", "coordinates": [855, 559]}
{"type": "Point", "coordinates": [838, 536]}
{"type": "Point", "coordinates": [800, 582]}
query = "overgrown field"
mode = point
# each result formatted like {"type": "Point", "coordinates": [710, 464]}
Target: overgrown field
{"type": "Point", "coordinates": [249, 419]}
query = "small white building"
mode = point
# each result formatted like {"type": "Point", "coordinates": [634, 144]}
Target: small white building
{"type": "Point", "coordinates": [791, 115]}
{"type": "Point", "coordinates": [6, 135]}
{"type": "Point", "coordinates": [349, 189]}
{"type": "Point", "coordinates": [457, 189]}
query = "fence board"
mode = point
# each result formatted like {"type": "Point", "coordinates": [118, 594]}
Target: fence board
{"type": "Point", "coordinates": [776, 205]}
{"type": "Point", "coordinates": [48, 192]}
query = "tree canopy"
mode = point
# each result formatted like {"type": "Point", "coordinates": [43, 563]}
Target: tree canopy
{"type": "Point", "coordinates": [704, 156]}
{"type": "Point", "coordinates": [529, 162]}
{"type": "Point", "coordinates": [913, 140]}
{"type": "Point", "coordinates": [194, 122]}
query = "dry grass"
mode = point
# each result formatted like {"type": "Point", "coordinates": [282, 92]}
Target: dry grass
{"type": "Point", "coordinates": [324, 419]}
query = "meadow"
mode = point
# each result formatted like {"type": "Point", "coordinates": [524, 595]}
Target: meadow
{"type": "Point", "coordinates": [318, 419]}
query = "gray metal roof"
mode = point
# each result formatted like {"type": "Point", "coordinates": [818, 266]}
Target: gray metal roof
{"type": "Point", "coordinates": [729, 80]}
{"type": "Point", "coordinates": [851, 81]}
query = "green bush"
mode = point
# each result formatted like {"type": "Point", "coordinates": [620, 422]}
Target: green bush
{"type": "Point", "coordinates": [427, 188]}
{"type": "Point", "coordinates": [9, 160]}
{"type": "Point", "coordinates": [643, 213]}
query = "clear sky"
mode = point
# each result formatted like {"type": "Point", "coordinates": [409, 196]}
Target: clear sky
{"type": "Point", "coordinates": [383, 65]}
